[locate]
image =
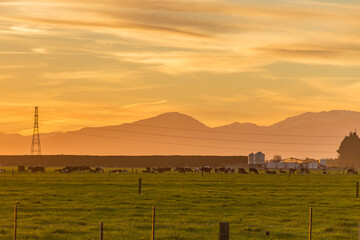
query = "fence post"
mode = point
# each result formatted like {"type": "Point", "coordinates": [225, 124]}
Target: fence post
{"type": "Point", "coordinates": [357, 190]}
{"type": "Point", "coordinates": [224, 231]}
{"type": "Point", "coordinates": [15, 221]}
{"type": "Point", "coordinates": [310, 223]}
{"type": "Point", "coordinates": [101, 230]}
{"type": "Point", "coordinates": [153, 224]}
{"type": "Point", "coordinates": [140, 181]}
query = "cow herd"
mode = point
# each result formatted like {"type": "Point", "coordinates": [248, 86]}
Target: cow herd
{"type": "Point", "coordinates": [31, 169]}
{"type": "Point", "coordinates": [352, 171]}
{"type": "Point", "coordinates": [224, 170]}
{"type": "Point", "coordinates": [205, 169]}
{"type": "Point", "coordinates": [70, 169]}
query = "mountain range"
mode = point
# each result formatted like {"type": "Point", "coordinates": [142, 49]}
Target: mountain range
{"type": "Point", "coordinates": [310, 134]}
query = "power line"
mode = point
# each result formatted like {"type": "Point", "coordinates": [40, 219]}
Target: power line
{"type": "Point", "coordinates": [207, 139]}
{"type": "Point", "coordinates": [237, 133]}
{"type": "Point", "coordinates": [190, 145]}
{"type": "Point", "coordinates": [212, 130]}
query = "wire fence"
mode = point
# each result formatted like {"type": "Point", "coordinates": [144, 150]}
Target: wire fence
{"type": "Point", "coordinates": [190, 219]}
{"type": "Point", "coordinates": [25, 226]}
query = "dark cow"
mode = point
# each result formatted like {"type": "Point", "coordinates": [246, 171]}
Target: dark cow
{"type": "Point", "coordinates": [188, 170]}
{"type": "Point", "coordinates": [70, 169]}
{"type": "Point", "coordinates": [254, 170]}
{"type": "Point", "coordinates": [270, 172]}
{"type": "Point", "coordinates": [224, 170]}
{"type": "Point", "coordinates": [184, 170]}
{"type": "Point", "coordinates": [148, 170]}
{"type": "Point", "coordinates": [98, 170]}
{"type": "Point", "coordinates": [36, 169]}
{"type": "Point", "coordinates": [352, 171]}
{"type": "Point", "coordinates": [292, 170]}
{"type": "Point", "coordinates": [21, 169]}
{"type": "Point", "coordinates": [241, 171]}
{"type": "Point", "coordinates": [206, 169]}
{"type": "Point", "coordinates": [282, 171]}
{"type": "Point", "coordinates": [303, 171]}
{"type": "Point", "coordinates": [161, 170]}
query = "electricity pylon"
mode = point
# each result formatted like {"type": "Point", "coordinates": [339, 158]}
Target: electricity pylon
{"type": "Point", "coordinates": [35, 145]}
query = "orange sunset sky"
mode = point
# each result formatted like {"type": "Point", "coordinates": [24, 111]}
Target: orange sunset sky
{"type": "Point", "coordinates": [91, 63]}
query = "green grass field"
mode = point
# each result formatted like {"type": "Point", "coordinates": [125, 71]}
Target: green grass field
{"type": "Point", "coordinates": [188, 206]}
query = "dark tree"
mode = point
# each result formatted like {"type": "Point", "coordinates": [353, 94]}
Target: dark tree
{"type": "Point", "coordinates": [349, 150]}
{"type": "Point", "coordinates": [277, 158]}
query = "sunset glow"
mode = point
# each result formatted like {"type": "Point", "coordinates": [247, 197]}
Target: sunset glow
{"type": "Point", "coordinates": [90, 63]}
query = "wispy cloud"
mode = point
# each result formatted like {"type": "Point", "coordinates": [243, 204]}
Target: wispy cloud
{"type": "Point", "coordinates": [142, 104]}
{"type": "Point", "coordinates": [27, 30]}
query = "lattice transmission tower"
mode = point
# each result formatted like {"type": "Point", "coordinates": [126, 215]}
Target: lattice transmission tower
{"type": "Point", "coordinates": [35, 145]}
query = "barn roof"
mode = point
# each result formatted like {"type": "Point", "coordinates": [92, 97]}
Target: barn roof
{"type": "Point", "coordinates": [296, 160]}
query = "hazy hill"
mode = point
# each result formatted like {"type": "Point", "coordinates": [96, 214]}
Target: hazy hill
{"type": "Point", "coordinates": [175, 133]}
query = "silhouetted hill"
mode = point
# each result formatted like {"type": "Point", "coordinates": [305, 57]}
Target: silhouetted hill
{"type": "Point", "coordinates": [178, 134]}
{"type": "Point", "coordinates": [173, 119]}
{"type": "Point", "coordinates": [325, 123]}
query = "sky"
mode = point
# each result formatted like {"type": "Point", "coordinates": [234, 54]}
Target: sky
{"type": "Point", "coordinates": [88, 63]}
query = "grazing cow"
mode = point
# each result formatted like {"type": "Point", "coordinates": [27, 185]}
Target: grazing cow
{"type": "Point", "coordinates": [98, 170]}
{"type": "Point", "coordinates": [85, 168]}
{"type": "Point", "coordinates": [254, 170]}
{"type": "Point", "coordinates": [241, 171]}
{"type": "Point", "coordinates": [270, 172]}
{"type": "Point", "coordinates": [325, 172]}
{"type": "Point", "coordinates": [292, 170]}
{"type": "Point", "coordinates": [282, 171]}
{"type": "Point", "coordinates": [218, 170]}
{"type": "Point", "coordinates": [21, 169]}
{"type": "Point", "coordinates": [161, 170]}
{"type": "Point", "coordinates": [224, 170]}
{"type": "Point", "coordinates": [352, 171]}
{"type": "Point", "coordinates": [303, 171]}
{"type": "Point", "coordinates": [206, 169]}
{"type": "Point", "coordinates": [70, 169]}
{"type": "Point", "coordinates": [36, 169]}
{"type": "Point", "coordinates": [185, 170]}
{"type": "Point", "coordinates": [148, 170]}
{"type": "Point", "coordinates": [2, 170]}
{"type": "Point", "coordinates": [116, 171]}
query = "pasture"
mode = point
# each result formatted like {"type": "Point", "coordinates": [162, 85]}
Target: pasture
{"type": "Point", "coordinates": [188, 206]}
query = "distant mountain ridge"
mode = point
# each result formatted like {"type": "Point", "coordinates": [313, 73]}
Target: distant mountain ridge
{"type": "Point", "coordinates": [306, 135]}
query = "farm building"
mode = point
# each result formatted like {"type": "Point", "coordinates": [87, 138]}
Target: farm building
{"type": "Point", "coordinates": [295, 163]}
{"type": "Point", "coordinates": [251, 159]}
{"type": "Point", "coordinates": [292, 162]}
{"type": "Point", "coordinates": [311, 164]}
{"type": "Point", "coordinates": [272, 164]}
{"type": "Point", "coordinates": [322, 162]}
{"type": "Point", "coordinates": [257, 159]}
{"type": "Point", "coordinates": [281, 165]}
